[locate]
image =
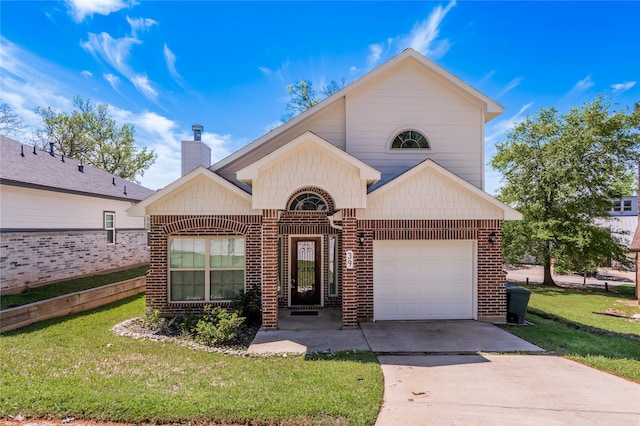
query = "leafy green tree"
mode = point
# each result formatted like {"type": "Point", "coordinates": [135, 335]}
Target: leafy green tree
{"type": "Point", "coordinates": [303, 96]}
{"type": "Point", "coordinates": [89, 134]}
{"type": "Point", "coordinates": [562, 173]}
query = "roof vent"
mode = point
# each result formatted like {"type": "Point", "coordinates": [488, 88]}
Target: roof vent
{"type": "Point", "coordinates": [113, 181]}
{"type": "Point", "coordinates": [63, 158]}
{"type": "Point", "coordinates": [34, 150]}
{"type": "Point", "coordinates": [81, 168]}
{"type": "Point", "coordinates": [21, 150]}
{"type": "Point", "coordinates": [197, 131]}
{"type": "Point", "coordinates": [51, 152]}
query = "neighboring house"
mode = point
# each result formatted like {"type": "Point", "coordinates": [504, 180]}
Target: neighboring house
{"type": "Point", "coordinates": [370, 202]}
{"type": "Point", "coordinates": [623, 221]}
{"type": "Point", "coordinates": [60, 219]}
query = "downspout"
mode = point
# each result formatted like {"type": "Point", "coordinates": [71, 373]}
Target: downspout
{"type": "Point", "coordinates": [332, 219]}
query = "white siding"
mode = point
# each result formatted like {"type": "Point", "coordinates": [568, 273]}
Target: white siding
{"type": "Point", "coordinates": [408, 97]}
{"type": "Point", "coordinates": [328, 124]}
{"type": "Point", "coordinates": [427, 195]}
{"type": "Point", "coordinates": [27, 208]}
{"type": "Point", "coordinates": [308, 165]}
{"type": "Point", "coordinates": [202, 196]}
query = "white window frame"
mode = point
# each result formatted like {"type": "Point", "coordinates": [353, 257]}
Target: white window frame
{"type": "Point", "coordinates": [207, 267]}
{"type": "Point", "coordinates": [333, 262]}
{"type": "Point", "coordinates": [111, 230]}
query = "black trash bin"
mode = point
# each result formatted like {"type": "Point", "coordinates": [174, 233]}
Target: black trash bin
{"type": "Point", "coordinates": [517, 301]}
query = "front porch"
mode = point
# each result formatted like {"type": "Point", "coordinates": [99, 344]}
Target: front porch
{"type": "Point", "coordinates": [317, 319]}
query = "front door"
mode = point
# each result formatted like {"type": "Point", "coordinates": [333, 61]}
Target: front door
{"type": "Point", "coordinates": [305, 271]}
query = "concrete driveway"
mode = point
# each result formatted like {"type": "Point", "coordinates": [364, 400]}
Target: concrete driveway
{"type": "Point", "coordinates": [487, 389]}
{"type": "Point", "coordinates": [441, 337]}
{"type": "Point", "coordinates": [470, 373]}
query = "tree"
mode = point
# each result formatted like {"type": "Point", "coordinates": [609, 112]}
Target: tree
{"type": "Point", "coordinates": [89, 134]}
{"type": "Point", "coordinates": [10, 122]}
{"type": "Point", "coordinates": [303, 96]}
{"type": "Point", "coordinates": [562, 173]}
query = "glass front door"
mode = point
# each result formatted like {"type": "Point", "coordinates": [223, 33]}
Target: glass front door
{"type": "Point", "coordinates": [305, 271]}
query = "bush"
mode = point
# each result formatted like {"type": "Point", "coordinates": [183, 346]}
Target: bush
{"type": "Point", "coordinates": [247, 304]}
{"type": "Point", "coordinates": [218, 326]}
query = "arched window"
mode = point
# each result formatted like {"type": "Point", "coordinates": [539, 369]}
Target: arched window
{"type": "Point", "coordinates": [410, 139]}
{"type": "Point", "coordinates": [308, 201]}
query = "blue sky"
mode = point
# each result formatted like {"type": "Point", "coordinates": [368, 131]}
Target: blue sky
{"type": "Point", "coordinates": [164, 65]}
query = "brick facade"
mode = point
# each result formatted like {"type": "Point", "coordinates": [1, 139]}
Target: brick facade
{"type": "Point", "coordinates": [164, 227]}
{"type": "Point", "coordinates": [34, 259]}
{"type": "Point", "coordinates": [267, 240]}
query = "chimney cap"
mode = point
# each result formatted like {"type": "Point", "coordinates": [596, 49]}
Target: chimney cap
{"type": "Point", "coordinates": [197, 131]}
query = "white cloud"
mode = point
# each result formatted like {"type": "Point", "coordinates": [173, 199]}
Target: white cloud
{"type": "Point", "coordinates": [142, 83]}
{"type": "Point", "coordinates": [582, 85]}
{"type": "Point", "coordinates": [170, 60]}
{"type": "Point", "coordinates": [140, 24]}
{"type": "Point", "coordinates": [511, 85]}
{"type": "Point", "coordinates": [115, 52]}
{"type": "Point", "coordinates": [113, 80]}
{"type": "Point", "coordinates": [623, 87]}
{"type": "Point", "coordinates": [423, 36]}
{"type": "Point", "coordinates": [375, 53]}
{"type": "Point", "coordinates": [86, 74]}
{"type": "Point", "coordinates": [80, 9]}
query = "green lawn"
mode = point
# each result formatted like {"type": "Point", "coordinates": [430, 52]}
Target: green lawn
{"type": "Point", "coordinates": [565, 322]}
{"type": "Point", "coordinates": [77, 367]}
{"type": "Point", "coordinates": [70, 286]}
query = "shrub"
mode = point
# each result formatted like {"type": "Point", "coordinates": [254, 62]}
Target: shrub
{"type": "Point", "coordinates": [217, 326]}
{"type": "Point", "coordinates": [247, 304]}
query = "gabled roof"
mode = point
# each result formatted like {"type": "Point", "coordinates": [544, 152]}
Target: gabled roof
{"type": "Point", "coordinates": [367, 172]}
{"type": "Point", "coordinates": [509, 212]}
{"type": "Point", "coordinates": [492, 108]}
{"type": "Point", "coordinates": [49, 173]}
{"type": "Point", "coordinates": [140, 208]}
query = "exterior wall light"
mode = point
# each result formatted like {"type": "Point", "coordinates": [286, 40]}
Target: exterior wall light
{"type": "Point", "coordinates": [361, 238]}
{"type": "Point", "coordinates": [492, 237]}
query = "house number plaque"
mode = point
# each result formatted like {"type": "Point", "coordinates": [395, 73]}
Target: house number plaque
{"type": "Point", "coordinates": [349, 259]}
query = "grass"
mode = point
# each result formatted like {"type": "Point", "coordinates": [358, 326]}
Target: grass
{"type": "Point", "coordinates": [565, 323]}
{"type": "Point", "coordinates": [70, 286]}
{"type": "Point", "coordinates": [77, 367]}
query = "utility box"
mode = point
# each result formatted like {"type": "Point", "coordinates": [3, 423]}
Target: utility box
{"type": "Point", "coordinates": [517, 302]}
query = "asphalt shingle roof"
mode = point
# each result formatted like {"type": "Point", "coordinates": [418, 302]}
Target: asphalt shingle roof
{"type": "Point", "coordinates": [41, 170]}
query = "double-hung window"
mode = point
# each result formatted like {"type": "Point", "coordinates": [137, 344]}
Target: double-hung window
{"type": "Point", "coordinates": [206, 269]}
{"type": "Point", "coordinates": [110, 226]}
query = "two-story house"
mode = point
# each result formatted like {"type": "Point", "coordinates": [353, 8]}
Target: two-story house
{"type": "Point", "coordinates": [371, 202]}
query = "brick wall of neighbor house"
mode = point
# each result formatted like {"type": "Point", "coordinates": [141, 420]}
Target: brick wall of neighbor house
{"type": "Point", "coordinates": [33, 259]}
{"type": "Point", "coordinates": [163, 227]}
{"type": "Point", "coordinates": [492, 301]}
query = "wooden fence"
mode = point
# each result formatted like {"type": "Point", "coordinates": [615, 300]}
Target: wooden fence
{"type": "Point", "coordinates": [72, 303]}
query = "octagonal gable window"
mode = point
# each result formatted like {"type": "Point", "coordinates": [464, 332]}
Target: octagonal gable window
{"type": "Point", "coordinates": [308, 201]}
{"type": "Point", "coordinates": [410, 139]}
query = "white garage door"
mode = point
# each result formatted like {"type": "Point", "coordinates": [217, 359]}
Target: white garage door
{"type": "Point", "coordinates": [423, 279]}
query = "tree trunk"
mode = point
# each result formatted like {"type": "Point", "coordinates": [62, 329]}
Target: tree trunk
{"type": "Point", "coordinates": [548, 279]}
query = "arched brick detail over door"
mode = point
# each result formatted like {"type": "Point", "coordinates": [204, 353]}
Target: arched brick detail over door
{"type": "Point", "coordinates": [331, 205]}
